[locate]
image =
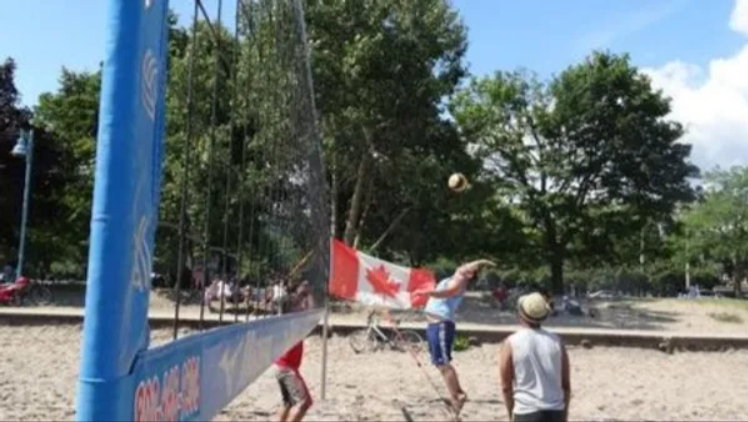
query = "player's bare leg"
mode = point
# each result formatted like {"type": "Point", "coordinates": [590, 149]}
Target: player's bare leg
{"type": "Point", "coordinates": [298, 412]}
{"type": "Point", "coordinates": [457, 395]}
{"type": "Point", "coordinates": [283, 413]}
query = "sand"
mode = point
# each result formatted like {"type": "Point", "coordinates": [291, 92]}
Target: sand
{"type": "Point", "coordinates": [667, 315]}
{"type": "Point", "coordinates": [39, 364]}
{"type": "Point", "coordinates": [662, 315]}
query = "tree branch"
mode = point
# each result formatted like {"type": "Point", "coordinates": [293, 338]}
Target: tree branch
{"type": "Point", "coordinates": [390, 228]}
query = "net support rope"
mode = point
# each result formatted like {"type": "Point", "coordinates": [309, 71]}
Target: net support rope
{"type": "Point", "coordinates": [186, 161]}
{"type": "Point", "coordinates": [229, 146]}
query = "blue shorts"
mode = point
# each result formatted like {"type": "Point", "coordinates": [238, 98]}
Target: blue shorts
{"type": "Point", "coordinates": [441, 337]}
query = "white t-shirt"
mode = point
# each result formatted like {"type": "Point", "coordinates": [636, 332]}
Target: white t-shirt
{"type": "Point", "coordinates": [224, 289]}
{"type": "Point", "coordinates": [537, 358]}
{"type": "Point", "coordinates": [279, 293]}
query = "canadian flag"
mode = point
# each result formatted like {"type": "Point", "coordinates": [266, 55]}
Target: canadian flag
{"type": "Point", "coordinates": [371, 281]}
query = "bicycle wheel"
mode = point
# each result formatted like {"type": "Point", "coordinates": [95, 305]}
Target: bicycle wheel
{"type": "Point", "coordinates": [41, 295]}
{"type": "Point", "coordinates": [409, 341]}
{"type": "Point", "coordinates": [362, 341]}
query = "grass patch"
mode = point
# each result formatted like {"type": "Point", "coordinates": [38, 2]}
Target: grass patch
{"type": "Point", "coordinates": [623, 306]}
{"type": "Point", "coordinates": [741, 304]}
{"type": "Point", "coordinates": [727, 302]}
{"type": "Point", "coordinates": [726, 317]}
{"type": "Point", "coordinates": [462, 343]}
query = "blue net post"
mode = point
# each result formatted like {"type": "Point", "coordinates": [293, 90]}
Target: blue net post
{"type": "Point", "coordinates": [125, 207]}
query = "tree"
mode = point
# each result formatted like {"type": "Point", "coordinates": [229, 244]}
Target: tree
{"type": "Point", "coordinates": [70, 115]}
{"type": "Point", "coordinates": [587, 157]}
{"type": "Point", "coordinates": [382, 71]}
{"type": "Point", "coordinates": [47, 242]}
{"type": "Point", "coordinates": [12, 119]}
{"type": "Point", "coordinates": [716, 228]}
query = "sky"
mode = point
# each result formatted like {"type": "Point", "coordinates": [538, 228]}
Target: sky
{"type": "Point", "coordinates": [695, 50]}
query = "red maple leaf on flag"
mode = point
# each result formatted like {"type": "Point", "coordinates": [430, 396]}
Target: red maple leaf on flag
{"type": "Point", "coordinates": [380, 282]}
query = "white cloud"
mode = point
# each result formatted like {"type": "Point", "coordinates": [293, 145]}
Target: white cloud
{"type": "Point", "coordinates": [739, 17]}
{"type": "Point", "coordinates": [713, 102]}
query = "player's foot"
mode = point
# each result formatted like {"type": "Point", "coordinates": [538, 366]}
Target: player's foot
{"type": "Point", "coordinates": [459, 403]}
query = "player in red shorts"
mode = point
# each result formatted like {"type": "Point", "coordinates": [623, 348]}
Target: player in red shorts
{"type": "Point", "coordinates": [296, 397]}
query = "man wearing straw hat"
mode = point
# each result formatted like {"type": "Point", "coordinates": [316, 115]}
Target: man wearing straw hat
{"type": "Point", "coordinates": [534, 367]}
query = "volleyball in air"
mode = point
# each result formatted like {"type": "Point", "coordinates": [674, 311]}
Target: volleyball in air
{"type": "Point", "coordinates": [458, 182]}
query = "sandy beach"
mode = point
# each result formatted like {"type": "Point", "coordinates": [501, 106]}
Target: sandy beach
{"type": "Point", "coordinates": [662, 315]}
{"type": "Point", "coordinates": [39, 366]}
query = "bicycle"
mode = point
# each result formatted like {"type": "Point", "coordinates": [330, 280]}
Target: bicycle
{"type": "Point", "coordinates": [374, 338]}
{"type": "Point", "coordinates": [25, 292]}
{"type": "Point", "coordinates": [39, 294]}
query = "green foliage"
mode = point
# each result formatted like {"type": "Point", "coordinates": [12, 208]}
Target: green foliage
{"type": "Point", "coordinates": [462, 343]}
{"type": "Point", "coordinates": [727, 317]}
{"type": "Point", "coordinates": [716, 227]}
{"type": "Point", "coordinates": [571, 179]}
{"type": "Point", "coordinates": [48, 237]}
{"type": "Point", "coordinates": [587, 158]}
{"type": "Point", "coordinates": [70, 116]}
{"type": "Point", "coordinates": [383, 70]}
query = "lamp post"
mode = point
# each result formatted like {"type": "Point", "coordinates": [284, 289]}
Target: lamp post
{"type": "Point", "coordinates": [24, 148]}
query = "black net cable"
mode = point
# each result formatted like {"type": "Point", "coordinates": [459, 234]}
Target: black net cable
{"type": "Point", "coordinates": [292, 197]}
{"type": "Point", "coordinates": [292, 250]}
{"type": "Point", "coordinates": [239, 186]}
{"type": "Point", "coordinates": [260, 292]}
{"type": "Point", "coordinates": [211, 165]}
{"type": "Point", "coordinates": [250, 137]}
{"type": "Point", "coordinates": [270, 227]}
{"type": "Point", "coordinates": [318, 200]}
{"type": "Point", "coordinates": [287, 194]}
{"type": "Point", "coordinates": [186, 159]}
{"type": "Point", "coordinates": [241, 182]}
{"type": "Point", "coordinates": [229, 171]}
{"type": "Point", "coordinates": [281, 156]}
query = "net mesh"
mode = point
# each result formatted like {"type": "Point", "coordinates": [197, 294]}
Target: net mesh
{"type": "Point", "coordinates": [244, 172]}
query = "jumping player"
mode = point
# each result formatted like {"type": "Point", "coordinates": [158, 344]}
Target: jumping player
{"type": "Point", "coordinates": [296, 398]}
{"type": "Point", "coordinates": [440, 312]}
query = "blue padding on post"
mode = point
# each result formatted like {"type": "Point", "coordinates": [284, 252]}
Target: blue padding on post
{"type": "Point", "coordinates": [125, 203]}
{"type": "Point", "coordinates": [193, 378]}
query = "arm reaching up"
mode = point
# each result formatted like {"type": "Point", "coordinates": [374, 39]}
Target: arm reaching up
{"type": "Point", "coordinates": [460, 280]}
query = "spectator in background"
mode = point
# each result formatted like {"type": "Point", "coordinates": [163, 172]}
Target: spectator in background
{"type": "Point", "coordinates": [280, 295]}
{"type": "Point", "coordinates": [500, 295]}
{"type": "Point", "coordinates": [8, 274]}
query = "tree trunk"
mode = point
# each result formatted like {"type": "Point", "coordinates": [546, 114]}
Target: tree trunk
{"type": "Point", "coordinates": [367, 207]}
{"type": "Point", "coordinates": [356, 207]}
{"type": "Point", "coordinates": [555, 251]}
{"type": "Point", "coordinates": [557, 272]}
{"type": "Point", "coordinates": [389, 229]}
{"type": "Point", "coordinates": [334, 199]}
{"type": "Point", "coordinates": [741, 271]}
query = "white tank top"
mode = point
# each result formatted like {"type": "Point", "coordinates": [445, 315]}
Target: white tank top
{"type": "Point", "coordinates": [537, 360]}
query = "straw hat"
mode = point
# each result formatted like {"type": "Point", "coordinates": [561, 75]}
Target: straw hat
{"type": "Point", "coordinates": [533, 308]}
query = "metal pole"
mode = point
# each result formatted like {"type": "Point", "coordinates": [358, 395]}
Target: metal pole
{"type": "Point", "coordinates": [688, 260]}
{"type": "Point", "coordinates": [25, 212]}
{"type": "Point", "coordinates": [641, 250]}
